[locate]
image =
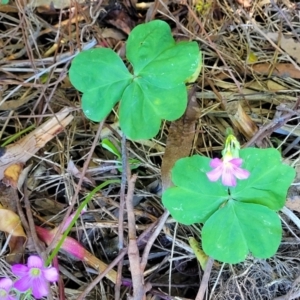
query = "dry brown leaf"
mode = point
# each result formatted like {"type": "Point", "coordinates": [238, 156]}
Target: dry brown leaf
{"type": "Point", "coordinates": [288, 44]}
{"type": "Point", "coordinates": [280, 70]}
{"type": "Point", "coordinates": [180, 139]}
{"type": "Point", "coordinates": [274, 86]}
{"type": "Point", "coordinates": [10, 223]}
{"type": "Point", "coordinates": [11, 175]}
{"type": "Point", "coordinates": [240, 119]}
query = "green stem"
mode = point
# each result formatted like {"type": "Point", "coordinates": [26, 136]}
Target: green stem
{"type": "Point", "coordinates": [15, 136]}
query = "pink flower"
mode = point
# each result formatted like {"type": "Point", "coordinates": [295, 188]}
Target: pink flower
{"type": "Point", "coordinates": [229, 169]}
{"type": "Point", "coordinates": [5, 287]}
{"type": "Point", "coordinates": [34, 276]}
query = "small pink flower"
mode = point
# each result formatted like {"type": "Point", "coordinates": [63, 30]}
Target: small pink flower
{"type": "Point", "coordinates": [5, 287]}
{"type": "Point", "coordinates": [229, 169]}
{"type": "Point", "coordinates": [34, 276]}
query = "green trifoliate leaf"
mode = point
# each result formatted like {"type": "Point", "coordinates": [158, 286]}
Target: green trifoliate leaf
{"type": "Point", "coordinates": [194, 198]}
{"type": "Point", "coordinates": [144, 105]}
{"type": "Point", "coordinates": [269, 178]}
{"type": "Point", "coordinates": [236, 220]}
{"type": "Point", "coordinates": [146, 42]}
{"type": "Point", "coordinates": [156, 91]}
{"type": "Point", "coordinates": [239, 228]}
{"type": "Point", "coordinates": [168, 70]}
{"type": "Point", "coordinates": [101, 76]}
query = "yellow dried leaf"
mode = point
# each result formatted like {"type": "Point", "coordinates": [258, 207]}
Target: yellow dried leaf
{"type": "Point", "coordinates": [10, 223]}
{"type": "Point", "coordinates": [200, 255]}
{"type": "Point", "coordinates": [11, 175]}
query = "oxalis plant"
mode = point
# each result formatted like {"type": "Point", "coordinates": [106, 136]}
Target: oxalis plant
{"type": "Point", "coordinates": [152, 88]}
{"type": "Point", "coordinates": [239, 216]}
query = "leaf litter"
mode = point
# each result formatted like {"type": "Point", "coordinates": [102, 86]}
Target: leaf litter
{"type": "Point", "coordinates": [249, 81]}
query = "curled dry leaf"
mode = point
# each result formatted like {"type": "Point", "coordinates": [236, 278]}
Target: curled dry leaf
{"type": "Point", "coordinates": [288, 44]}
{"type": "Point", "coordinates": [240, 119]}
{"type": "Point", "coordinates": [200, 255]}
{"type": "Point", "coordinates": [11, 175]}
{"type": "Point", "coordinates": [10, 223]}
{"type": "Point", "coordinates": [180, 139]}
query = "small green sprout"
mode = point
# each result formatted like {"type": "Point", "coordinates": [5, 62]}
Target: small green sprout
{"type": "Point", "coordinates": [108, 145]}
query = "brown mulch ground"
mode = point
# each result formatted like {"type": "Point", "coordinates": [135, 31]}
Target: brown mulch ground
{"type": "Point", "coordinates": [249, 81]}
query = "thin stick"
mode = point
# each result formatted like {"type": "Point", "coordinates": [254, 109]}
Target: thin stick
{"type": "Point", "coordinates": [152, 239]}
{"type": "Point", "coordinates": [36, 242]}
{"type": "Point", "coordinates": [121, 216]}
{"type": "Point", "coordinates": [205, 279]}
{"type": "Point", "coordinates": [133, 250]}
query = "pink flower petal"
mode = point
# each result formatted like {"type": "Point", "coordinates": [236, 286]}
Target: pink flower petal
{"type": "Point", "coordinates": [241, 173]}
{"type": "Point", "coordinates": [39, 287]}
{"type": "Point", "coordinates": [20, 270]}
{"type": "Point", "coordinates": [215, 174]}
{"type": "Point", "coordinates": [228, 178]}
{"type": "Point", "coordinates": [236, 162]}
{"type": "Point", "coordinates": [229, 170]}
{"type": "Point", "coordinates": [23, 284]}
{"type": "Point", "coordinates": [50, 274]}
{"type": "Point", "coordinates": [216, 162]}
{"type": "Point", "coordinates": [6, 284]}
{"type": "Point", "coordinates": [34, 277]}
{"type": "Point", "coordinates": [35, 262]}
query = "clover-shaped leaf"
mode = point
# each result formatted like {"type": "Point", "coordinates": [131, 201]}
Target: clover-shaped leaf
{"type": "Point", "coordinates": [237, 228]}
{"type": "Point", "coordinates": [102, 77]}
{"type": "Point", "coordinates": [194, 199]}
{"type": "Point", "coordinates": [269, 178]}
{"type": "Point", "coordinates": [236, 220]}
{"type": "Point", "coordinates": [154, 91]}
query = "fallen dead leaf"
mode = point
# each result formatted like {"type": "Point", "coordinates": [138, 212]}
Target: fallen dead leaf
{"type": "Point", "coordinates": [180, 139]}
{"type": "Point", "coordinates": [11, 175]}
{"type": "Point", "coordinates": [274, 86]}
{"type": "Point", "coordinates": [240, 119]}
{"type": "Point", "coordinates": [288, 44]}
{"type": "Point", "coordinates": [280, 70]}
{"type": "Point", "coordinates": [10, 223]}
